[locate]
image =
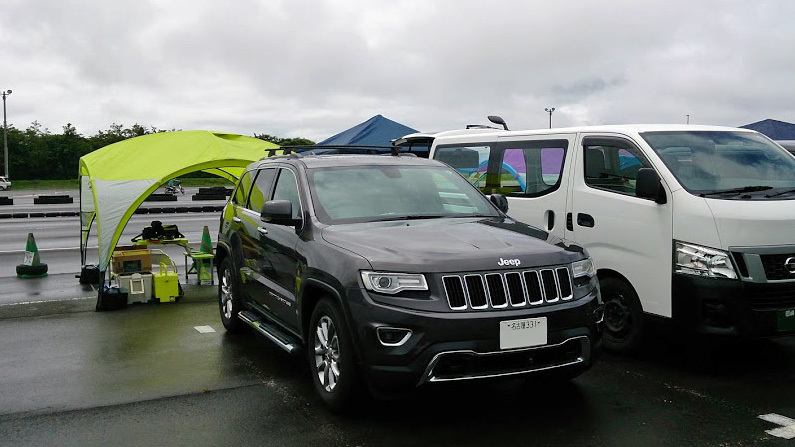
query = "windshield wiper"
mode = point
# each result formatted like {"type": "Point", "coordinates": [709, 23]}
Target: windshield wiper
{"type": "Point", "coordinates": [781, 193]}
{"type": "Point", "coordinates": [736, 191]}
{"type": "Point", "coordinates": [410, 217]}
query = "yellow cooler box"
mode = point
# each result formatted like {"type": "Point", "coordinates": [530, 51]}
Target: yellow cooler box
{"type": "Point", "coordinates": [166, 284]}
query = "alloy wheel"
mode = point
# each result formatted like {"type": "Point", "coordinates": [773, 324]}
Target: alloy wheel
{"type": "Point", "coordinates": [327, 353]}
{"type": "Point", "coordinates": [226, 294]}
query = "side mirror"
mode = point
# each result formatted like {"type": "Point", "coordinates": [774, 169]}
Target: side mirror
{"type": "Point", "coordinates": [648, 186]}
{"type": "Point", "coordinates": [500, 202]}
{"type": "Point", "coordinates": [278, 212]}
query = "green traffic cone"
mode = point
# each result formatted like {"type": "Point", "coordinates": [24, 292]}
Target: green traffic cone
{"type": "Point", "coordinates": [32, 266]}
{"type": "Point", "coordinates": [205, 265]}
{"type": "Point", "coordinates": [206, 245]}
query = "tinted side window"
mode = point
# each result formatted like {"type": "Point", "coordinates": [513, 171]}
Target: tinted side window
{"type": "Point", "coordinates": [531, 168]}
{"type": "Point", "coordinates": [470, 161]}
{"type": "Point", "coordinates": [262, 186]}
{"type": "Point", "coordinates": [243, 187]}
{"type": "Point", "coordinates": [287, 189]}
{"type": "Point", "coordinates": [613, 167]}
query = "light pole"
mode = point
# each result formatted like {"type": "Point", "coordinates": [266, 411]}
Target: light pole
{"type": "Point", "coordinates": [550, 110]}
{"type": "Point", "coordinates": [5, 133]}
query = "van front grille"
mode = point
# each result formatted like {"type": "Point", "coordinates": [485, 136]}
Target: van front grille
{"type": "Point", "coordinates": [500, 290]}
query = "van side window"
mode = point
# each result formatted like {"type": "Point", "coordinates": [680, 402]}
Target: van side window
{"type": "Point", "coordinates": [614, 168]}
{"type": "Point", "coordinates": [243, 187]}
{"type": "Point", "coordinates": [470, 161]}
{"type": "Point", "coordinates": [531, 168]}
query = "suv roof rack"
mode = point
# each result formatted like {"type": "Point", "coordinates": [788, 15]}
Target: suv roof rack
{"type": "Point", "coordinates": [300, 151]}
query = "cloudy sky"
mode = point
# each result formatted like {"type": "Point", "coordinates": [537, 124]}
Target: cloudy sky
{"type": "Point", "coordinates": [314, 68]}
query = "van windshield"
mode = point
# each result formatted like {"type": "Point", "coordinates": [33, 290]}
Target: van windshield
{"type": "Point", "coordinates": [725, 164]}
{"type": "Point", "coordinates": [381, 193]}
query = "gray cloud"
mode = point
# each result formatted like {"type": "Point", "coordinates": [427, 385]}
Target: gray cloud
{"type": "Point", "coordinates": [313, 68]}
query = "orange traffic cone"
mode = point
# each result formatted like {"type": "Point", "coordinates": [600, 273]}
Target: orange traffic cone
{"type": "Point", "coordinates": [31, 267]}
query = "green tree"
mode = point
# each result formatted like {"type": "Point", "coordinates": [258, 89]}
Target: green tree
{"type": "Point", "coordinates": [298, 141]}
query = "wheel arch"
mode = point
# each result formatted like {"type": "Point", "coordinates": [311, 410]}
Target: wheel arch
{"type": "Point", "coordinates": [603, 274]}
{"type": "Point", "coordinates": [312, 292]}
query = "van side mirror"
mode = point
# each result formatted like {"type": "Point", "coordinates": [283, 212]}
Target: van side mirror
{"type": "Point", "coordinates": [500, 202]}
{"type": "Point", "coordinates": [278, 212]}
{"type": "Point", "coordinates": [649, 186]}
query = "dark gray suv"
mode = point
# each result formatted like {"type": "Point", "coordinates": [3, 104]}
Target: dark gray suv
{"type": "Point", "coordinates": [392, 271]}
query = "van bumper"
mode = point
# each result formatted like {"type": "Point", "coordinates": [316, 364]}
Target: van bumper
{"type": "Point", "coordinates": [733, 307]}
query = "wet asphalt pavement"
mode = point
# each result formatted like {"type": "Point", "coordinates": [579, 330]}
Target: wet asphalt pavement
{"type": "Point", "coordinates": [146, 376]}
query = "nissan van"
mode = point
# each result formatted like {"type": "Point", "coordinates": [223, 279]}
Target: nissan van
{"type": "Point", "coordinates": [688, 225]}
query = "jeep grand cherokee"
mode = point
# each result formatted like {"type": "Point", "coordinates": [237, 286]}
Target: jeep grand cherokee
{"type": "Point", "coordinates": [394, 271]}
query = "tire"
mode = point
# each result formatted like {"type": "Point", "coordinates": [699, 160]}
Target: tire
{"type": "Point", "coordinates": [229, 299]}
{"type": "Point", "coordinates": [31, 270]}
{"type": "Point", "coordinates": [331, 358]}
{"type": "Point", "coordinates": [623, 324]}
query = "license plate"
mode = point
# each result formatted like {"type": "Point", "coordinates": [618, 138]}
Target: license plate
{"type": "Point", "coordinates": [786, 320]}
{"type": "Point", "coordinates": [523, 333]}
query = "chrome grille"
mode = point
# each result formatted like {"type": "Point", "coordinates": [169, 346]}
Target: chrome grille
{"type": "Point", "coordinates": [510, 289]}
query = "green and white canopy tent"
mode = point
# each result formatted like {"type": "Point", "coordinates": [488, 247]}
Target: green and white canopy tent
{"type": "Point", "coordinates": [116, 179]}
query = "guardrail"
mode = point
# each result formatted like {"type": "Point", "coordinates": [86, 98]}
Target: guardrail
{"type": "Point", "coordinates": [152, 210]}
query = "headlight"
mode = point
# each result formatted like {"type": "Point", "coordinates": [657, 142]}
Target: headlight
{"type": "Point", "coordinates": [392, 283]}
{"type": "Point", "coordinates": [703, 261]}
{"type": "Point", "coordinates": [583, 268]}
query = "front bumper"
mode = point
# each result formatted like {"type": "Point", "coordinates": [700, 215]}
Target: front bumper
{"type": "Point", "coordinates": [733, 307]}
{"type": "Point", "coordinates": [452, 346]}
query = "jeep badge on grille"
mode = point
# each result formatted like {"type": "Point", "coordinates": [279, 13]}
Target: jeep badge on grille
{"type": "Point", "coordinates": [513, 262]}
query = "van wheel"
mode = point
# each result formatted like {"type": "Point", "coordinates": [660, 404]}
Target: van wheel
{"type": "Point", "coordinates": [331, 358]}
{"type": "Point", "coordinates": [229, 299]}
{"type": "Point", "coordinates": [623, 323]}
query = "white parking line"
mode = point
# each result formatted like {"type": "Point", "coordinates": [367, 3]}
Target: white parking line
{"type": "Point", "coordinates": [787, 429]}
{"type": "Point", "coordinates": [204, 329]}
{"type": "Point", "coordinates": [48, 301]}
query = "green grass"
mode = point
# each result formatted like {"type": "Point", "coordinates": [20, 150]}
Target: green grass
{"type": "Point", "coordinates": [75, 184]}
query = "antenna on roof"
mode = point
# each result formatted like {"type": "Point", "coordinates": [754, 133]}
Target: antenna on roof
{"type": "Point", "coordinates": [498, 120]}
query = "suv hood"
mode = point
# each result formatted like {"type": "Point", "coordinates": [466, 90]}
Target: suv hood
{"type": "Point", "coordinates": [451, 245]}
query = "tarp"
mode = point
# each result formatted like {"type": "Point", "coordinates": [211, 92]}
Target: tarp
{"type": "Point", "coordinates": [115, 179]}
{"type": "Point", "coordinates": [773, 129]}
{"type": "Point", "coordinates": [377, 131]}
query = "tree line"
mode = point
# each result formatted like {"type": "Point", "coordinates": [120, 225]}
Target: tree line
{"type": "Point", "coordinates": [38, 154]}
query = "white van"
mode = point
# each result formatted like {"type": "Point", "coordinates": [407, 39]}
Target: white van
{"type": "Point", "coordinates": [691, 225]}
{"type": "Point", "coordinates": [4, 183]}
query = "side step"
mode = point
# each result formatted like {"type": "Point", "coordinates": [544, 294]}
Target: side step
{"type": "Point", "coordinates": [270, 331]}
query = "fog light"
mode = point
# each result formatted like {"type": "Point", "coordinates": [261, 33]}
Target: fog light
{"type": "Point", "coordinates": [717, 315]}
{"type": "Point", "coordinates": [392, 336]}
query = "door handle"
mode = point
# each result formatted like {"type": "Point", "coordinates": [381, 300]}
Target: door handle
{"type": "Point", "coordinates": [262, 230]}
{"type": "Point", "coordinates": [585, 220]}
{"type": "Point", "coordinates": [236, 219]}
{"type": "Point", "coordinates": [550, 220]}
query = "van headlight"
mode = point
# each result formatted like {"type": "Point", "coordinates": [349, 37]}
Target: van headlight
{"type": "Point", "coordinates": [392, 283]}
{"type": "Point", "coordinates": [696, 260]}
{"type": "Point", "coordinates": [583, 268]}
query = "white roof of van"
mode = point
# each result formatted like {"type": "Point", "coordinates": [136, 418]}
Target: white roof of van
{"type": "Point", "coordinates": [623, 128]}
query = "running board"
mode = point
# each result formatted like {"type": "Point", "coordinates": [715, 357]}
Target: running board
{"type": "Point", "coordinates": [273, 334]}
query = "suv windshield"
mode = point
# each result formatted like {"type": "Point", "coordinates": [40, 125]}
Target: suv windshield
{"type": "Point", "coordinates": [381, 193]}
{"type": "Point", "coordinates": [719, 163]}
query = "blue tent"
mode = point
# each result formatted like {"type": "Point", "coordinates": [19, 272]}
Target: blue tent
{"type": "Point", "coordinates": [377, 131]}
{"type": "Point", "coordinates": [773, 129]}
